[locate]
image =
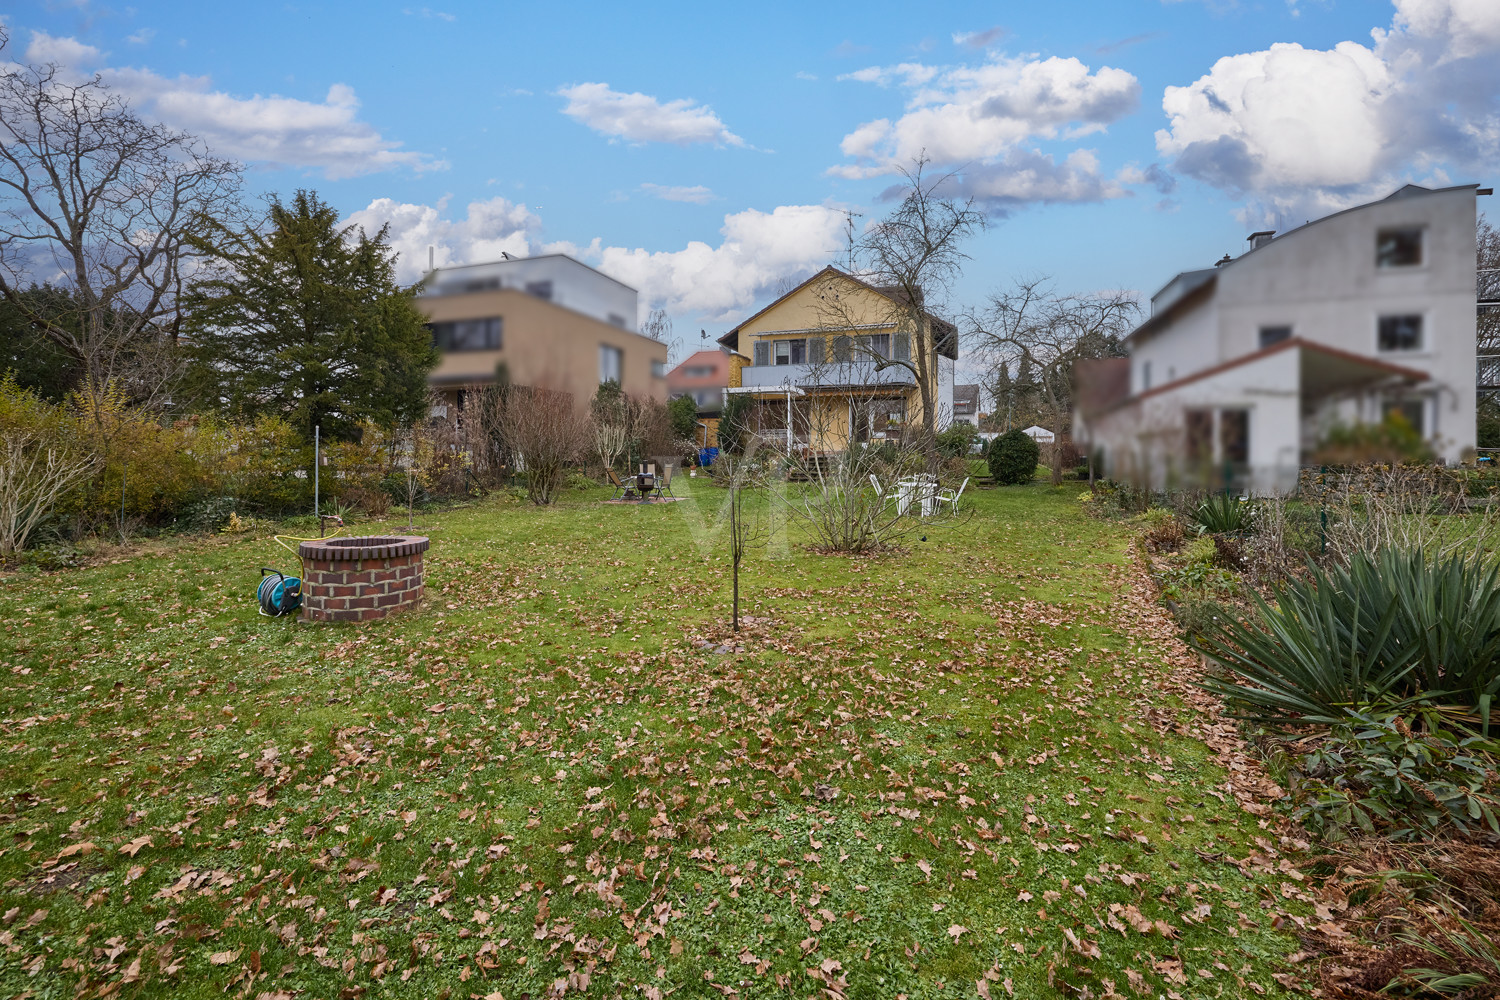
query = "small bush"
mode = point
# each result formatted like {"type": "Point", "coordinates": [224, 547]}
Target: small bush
{"type": "Point", "coordinates": [1223, 513]}
{"type": "Point", "coordinates": [1376, 774]}
{"type": "Point", "coordinates": [1013, 457]}
{"type": "Point", "coordinates": [957, 440]}
{"type": "Point", "coordinates": [1163, 531]}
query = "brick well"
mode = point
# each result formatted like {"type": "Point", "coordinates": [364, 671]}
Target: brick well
{"type": "Point", "coordinates": [359, 579]}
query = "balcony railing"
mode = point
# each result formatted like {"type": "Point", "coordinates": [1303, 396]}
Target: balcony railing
{"type": "Point", "coordinates": [1488, 285]}
{"type": "Point", "coordinates": [831, 375]}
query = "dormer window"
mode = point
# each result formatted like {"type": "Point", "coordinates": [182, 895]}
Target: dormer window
{"type": "Point", "coordinates": [1399, 247]}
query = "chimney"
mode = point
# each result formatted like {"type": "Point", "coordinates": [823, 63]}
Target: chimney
{"type": "Point", "coordinates": [1258, 240]}
{"type": "Point", "coordinates": [431, 255]}
{"type": "Point", "coordinates": [1226, 259]}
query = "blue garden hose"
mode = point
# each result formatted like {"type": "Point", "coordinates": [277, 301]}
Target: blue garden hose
{"type": "Point", "coordinates": [278, 594]}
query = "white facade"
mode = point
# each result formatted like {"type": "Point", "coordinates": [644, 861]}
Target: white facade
{"type": "Point", "coordinates": [1249, 363]}
{"type": "Point", "coordinates": [557, 278]}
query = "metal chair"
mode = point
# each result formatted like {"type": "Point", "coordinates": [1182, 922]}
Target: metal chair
{"type": "Point", "coordinates": [622, 492]}
{"type": "Point", "coordinates": [664, 484]}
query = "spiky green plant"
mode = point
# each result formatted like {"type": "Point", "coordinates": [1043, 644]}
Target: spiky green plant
{"type": "Point", "coordinates": [1393, 629]}
{"type": "Point", "coordinates": [1223, 513]}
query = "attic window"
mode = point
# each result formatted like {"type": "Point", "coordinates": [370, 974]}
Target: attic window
{"type": "Point", "coordinates": [1399, 247]}
{"type": "Point", "coordinates": [1274, 335]}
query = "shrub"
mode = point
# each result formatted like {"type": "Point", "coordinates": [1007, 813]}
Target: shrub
{"type": "Point", "coordinates": [544, 429]}
{"type": "Point", "coordinates": [42, 457]}
{"type": "Point", "coordinates": [1393, 441]}
{"type": "Point", "coordinates": [1013, 457]}
{"type": "Point", "coordinates": [1222, 513]}
{"type": "Point", "coordinates": [1163, 531]}
{"type": "Point", "coordinates": [1391, 629]}
{"type": "Point", "coordinates": [1375, 773]}
{"type": "Point", "coordinates": [957, 440]}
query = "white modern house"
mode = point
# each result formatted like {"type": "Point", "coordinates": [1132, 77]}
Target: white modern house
{"type": "Point", "coordinates": [1242, 368]}
{"type": "Point", "coordinates": [552, 277]}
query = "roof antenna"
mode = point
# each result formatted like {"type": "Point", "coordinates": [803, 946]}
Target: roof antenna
{"type": "Point", "coordinates": [431, 253]}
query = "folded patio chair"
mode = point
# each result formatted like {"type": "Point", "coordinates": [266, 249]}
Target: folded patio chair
{"type": "Point", "coordinates": [622, 492]}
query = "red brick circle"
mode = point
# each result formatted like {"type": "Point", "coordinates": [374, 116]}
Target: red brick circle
{"type": "Point", "coordinates": [360, 579]}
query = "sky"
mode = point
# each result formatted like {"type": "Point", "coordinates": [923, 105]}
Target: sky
{"type": "Point", "coordinates": [707, 153]}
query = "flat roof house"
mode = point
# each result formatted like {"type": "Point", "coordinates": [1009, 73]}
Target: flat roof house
{"type": "Point", "coordinates": [1242, 369]}
{"type": "Point", "coordinates": [548, 321]}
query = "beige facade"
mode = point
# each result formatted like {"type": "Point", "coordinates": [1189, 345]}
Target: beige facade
{"type": "Point", "coordinates": [813, 362]}
{"type": "Point", "coordinates": [542, 344]}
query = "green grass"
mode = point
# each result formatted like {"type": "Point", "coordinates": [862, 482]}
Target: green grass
{"type": "Point", "coordinates": [910, 771]}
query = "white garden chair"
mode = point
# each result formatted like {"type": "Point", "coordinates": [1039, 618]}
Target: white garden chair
{"type": "Point", "coordinates": [951, 497]}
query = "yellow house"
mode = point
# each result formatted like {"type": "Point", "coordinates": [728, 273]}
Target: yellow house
{"type": "Point", "coordinates": [837, 360]}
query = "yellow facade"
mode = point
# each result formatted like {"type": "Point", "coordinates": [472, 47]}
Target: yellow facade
{"type": "Point", "coordinates": [814, 325]}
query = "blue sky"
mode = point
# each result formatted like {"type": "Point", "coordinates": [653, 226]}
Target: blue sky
{"type": "Point", "coordinates": [705, 152]}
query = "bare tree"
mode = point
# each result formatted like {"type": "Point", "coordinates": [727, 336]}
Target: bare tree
{"type": "Point", "coordinates": [913, 255]}
{"type": "Point", "coordinates": [741, 476]}
{"type": "Point", "coordinates": [1046, 333]}
{"type": "Point", "coordinates": [98, 200]}
{"type": "Point", "coordinates": [545, 430]}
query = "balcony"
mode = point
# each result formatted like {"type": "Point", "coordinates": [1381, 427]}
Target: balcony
{"type": "Point", "coordinates": [829, 376]}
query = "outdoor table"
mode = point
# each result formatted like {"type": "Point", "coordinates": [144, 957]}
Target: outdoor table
{"type": "Point", "coordinates": [644, 484]}
{"type": "Point", "coordinates": [920, 488]}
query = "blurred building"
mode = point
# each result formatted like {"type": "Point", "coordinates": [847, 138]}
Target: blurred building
{"type": "Point", "coordinates": [703, 375]}
{"type": "Point", "coordinates": [548, 321]}
{"type": "Point", "coordinates": [966, 404]}
{"type": "Point", "coordinates": [1243, 369]}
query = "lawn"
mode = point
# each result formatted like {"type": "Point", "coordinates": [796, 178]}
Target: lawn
{"type": "Point", "coordinates": [963, 770]}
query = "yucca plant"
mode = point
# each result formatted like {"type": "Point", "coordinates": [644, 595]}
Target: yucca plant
{"type": "Point", "coordinates": [1223, 513]}
{"type": "Point", "coordinates": [1393, 630]}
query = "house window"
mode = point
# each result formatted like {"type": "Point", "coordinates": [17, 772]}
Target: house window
{"type": "Point", "coordinates": [878, 419]}
{"type": "Point", "coordinates": [1400, 247]}
{"type": "Point", "coordinates": [1234, 436]}
{"type": "Point", "coordinates": [1199, 436]}
{"type": "Point", "coordinates": [611, 364]}
{"type": "Point", "coordinates": [1270, 335]}
{"type": "Point", "coordinates": [468, 334]}
{"type": "Point", "coordinates": [874, 345]}
{"type": "Point", "coordinates": [1400, 333]}
{"type": "Point", "coordinates": [790, 352]}
{"type": "Point", "coordinates": [615, 319]}
{"type": "Point", "coordinates": [541, 289]}
{"type": "Point", "coordinates": [698, 371]}
{"type": "Point", "coordinates": [1145, 375]}
{"type": "Point", "coordinates": [659, 369]}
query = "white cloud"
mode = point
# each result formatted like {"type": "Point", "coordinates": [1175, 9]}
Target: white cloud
{"type": "Point", "coordinates": [326, 135]}
{"type": "Point", "coordinates": [1307, 131]}
{"type": "Point", "coordinates": [722, 282]}
{"type": "Point", "coordinates": [141, 37]}
{"type": "Point", "coordinates": [700, 280]}
{"type": "Point", "coordinates": [697, 194]}
{"type": "Point", "coordinates": [905, 74]}
{"type": "Point", "coordinates": [978, 39]}
{"type": "Point", "coordinates": [45, 48]}
{"type": "Point", "coordinates": [971, 113]}
{"type": "Point", "coordinates": [488, 229]}
{"type": "Point", "coordinates": [429, 13]}
{"type": "Point", "coordinates": [639, 117]}
{"type": "Point", "coordinates": [285, 131]}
